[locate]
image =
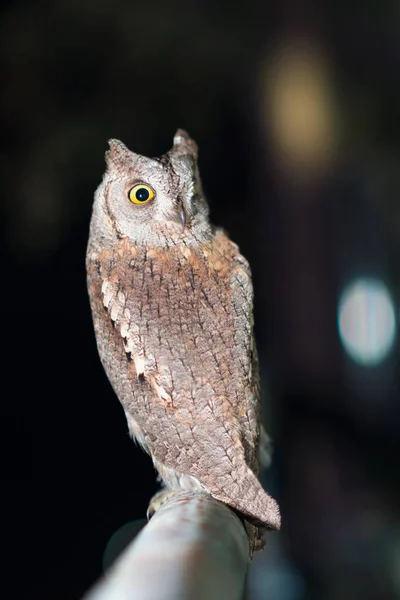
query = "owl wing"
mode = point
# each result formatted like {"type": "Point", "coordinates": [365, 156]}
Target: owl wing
{"type": "Point", "coordinates": [242, 300]}
{"type": "Point", "coordinates": [176, 341]}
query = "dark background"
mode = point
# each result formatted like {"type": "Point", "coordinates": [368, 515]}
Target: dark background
{"type": "Point", "coordinates": [296, 113]}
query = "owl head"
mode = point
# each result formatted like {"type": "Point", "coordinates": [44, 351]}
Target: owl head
{"type": "Point", "coordinates": [152, 201]}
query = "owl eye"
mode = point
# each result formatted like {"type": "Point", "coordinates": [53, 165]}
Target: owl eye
{"type": "Point", "coordinates": [141, 194]}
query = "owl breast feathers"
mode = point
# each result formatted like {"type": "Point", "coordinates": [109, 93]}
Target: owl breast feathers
{"type": "Point", "coordinates": [172, 305]}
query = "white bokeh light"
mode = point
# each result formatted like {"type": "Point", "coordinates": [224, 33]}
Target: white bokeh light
{"type": "Point", "coordinates": [366, 319]}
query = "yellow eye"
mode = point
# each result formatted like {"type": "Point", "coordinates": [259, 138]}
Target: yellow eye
{"type": "Point", "coordinates": [141, 194]}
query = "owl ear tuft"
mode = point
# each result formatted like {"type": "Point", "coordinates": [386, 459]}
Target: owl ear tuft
{"type": "Point", "coordinates": [184, 145]}
{"type": "Point", "coordinates": [118, 155]}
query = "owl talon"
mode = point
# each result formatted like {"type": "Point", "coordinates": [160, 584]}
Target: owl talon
{"type": "Point", "coordinates": [158, 500]}
{"type": "Point", "coordinates": [256, 537]}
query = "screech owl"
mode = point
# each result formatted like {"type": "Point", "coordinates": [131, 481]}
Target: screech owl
{"type": "Point", "coordinates": [172, 305]}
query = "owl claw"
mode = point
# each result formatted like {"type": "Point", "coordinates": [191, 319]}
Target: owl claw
{"type": "Point", "coordinates": [159, 499]}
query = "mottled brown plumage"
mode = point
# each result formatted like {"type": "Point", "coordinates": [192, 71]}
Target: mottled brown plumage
{"type": "Point", "coordinates": [172, 307]}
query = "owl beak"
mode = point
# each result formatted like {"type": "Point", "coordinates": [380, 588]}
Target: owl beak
{"type": "Point", "coordinates": [182, 215]}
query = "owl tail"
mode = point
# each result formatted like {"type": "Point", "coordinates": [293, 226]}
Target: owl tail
{"type": "Point", "coordinates": [252, 501]}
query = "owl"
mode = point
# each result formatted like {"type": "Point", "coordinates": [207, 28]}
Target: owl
{"type": "Point", "coordinates": [172, 305]}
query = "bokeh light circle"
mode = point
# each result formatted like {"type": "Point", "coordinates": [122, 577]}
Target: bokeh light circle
{"type": "Point", "coordinates": [120, 540]}
{"type": "Point", "coordinates": [366, 320]}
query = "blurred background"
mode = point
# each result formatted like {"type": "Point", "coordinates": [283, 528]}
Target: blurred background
{"type": "Point", "coordinates": [296, 110]}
